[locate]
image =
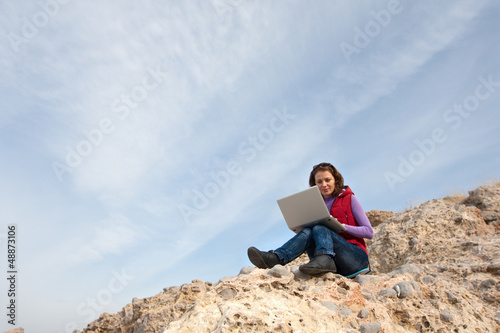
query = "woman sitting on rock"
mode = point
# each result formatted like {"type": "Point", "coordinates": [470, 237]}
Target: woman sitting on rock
{"type": "Point", "coordinates": [343, 253]}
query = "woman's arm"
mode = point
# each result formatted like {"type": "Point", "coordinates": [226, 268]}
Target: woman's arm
{"type": "Point", "coordinates": [364, 228]}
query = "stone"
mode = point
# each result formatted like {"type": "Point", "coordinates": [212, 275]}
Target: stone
{"type": "Point", "coordinates": [228, 293]}
{"type": "Point", "coordinates": [484, 198]}
{"type": "Point", "coordinates": [406, 289]}
{"type": "Point", "coordinates": [494, 268]}
{"type": "Point", "coordinates": [298, 275]}
{"type": "Point", "coordinates": [428, 279]}
{"type": "Point", "coordinates": [366, 279]}
{"type": "Point", "coordinates": [389, 293]}
{"type": "Point", "coordinates": [451, 298]}
{"type": "Point", "coordinates": [330, 276]}
{"type": "Point", "coordinates": [279, 271]}
{"type": "Point", "coordinates": [491, 217]}
{"type": "Point", "coordinates": [331, 306]}
{"type": "Point", "coordinates": [345, 311]}
{"type": "Point", "coordinates": [370, 328]}
{"type": "Point", "coordinates": [342, 291]}
{"type": "Point", "coordinates": [409, 269]}
{"type": "Point", "coordinates": [247, 270]}
{"type": "Point", "coordinates": [367, 294]}
{"type": "Point", "coordinates": [487, 284]}
{"type": "Point", "coordinates": [227, 278]}
{"type": "Point", "coordinates": [446, 316]}
{"type": "Point", "coordinates": [377, 217]}
{"type": "Point", "coordinates": [364, 313]}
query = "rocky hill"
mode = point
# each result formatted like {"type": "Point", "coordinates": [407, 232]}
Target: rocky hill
{"type": "Point", "coordinates": [436, 269]}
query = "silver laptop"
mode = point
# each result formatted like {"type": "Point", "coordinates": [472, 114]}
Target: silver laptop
{"type": "Point", "coordinates": [306, 209]}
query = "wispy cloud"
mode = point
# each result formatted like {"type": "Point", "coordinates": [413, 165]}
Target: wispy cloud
{"type": "Point", "coordinates": [357, 85]}
{"type": "Point", "coordinates": [115, 236]}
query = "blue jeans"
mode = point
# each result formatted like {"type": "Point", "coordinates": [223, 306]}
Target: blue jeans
{"type": "Point", "coordinates": [318, 240]}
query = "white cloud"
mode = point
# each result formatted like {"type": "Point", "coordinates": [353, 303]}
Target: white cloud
{"type": "Point", "coordinates": [379, 73]}
{"type": "Point", "coordinates": [115, 236]}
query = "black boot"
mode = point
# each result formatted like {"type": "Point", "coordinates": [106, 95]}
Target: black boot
{"type": "Point", "coordinates": [319, 264]}
{"type": "Point", "coordinates": [262, 259]}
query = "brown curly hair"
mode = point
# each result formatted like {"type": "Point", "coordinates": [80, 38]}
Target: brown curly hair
{"type": "Point", "coordinates": [339, 180]}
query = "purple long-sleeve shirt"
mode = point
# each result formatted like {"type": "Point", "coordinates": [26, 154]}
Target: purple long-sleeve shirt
{"type": "Point", "coordinates": [364, 227]}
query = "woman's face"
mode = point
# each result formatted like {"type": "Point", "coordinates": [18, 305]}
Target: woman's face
{"type": "Point", "coordinates": [325, 182]}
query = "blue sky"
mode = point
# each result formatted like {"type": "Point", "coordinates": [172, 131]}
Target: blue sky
{"type": "Point", "coordinates": [144, 144]}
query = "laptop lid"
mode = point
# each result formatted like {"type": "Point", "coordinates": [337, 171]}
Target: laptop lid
{"type": "Point", "coordinates": [306, 209]}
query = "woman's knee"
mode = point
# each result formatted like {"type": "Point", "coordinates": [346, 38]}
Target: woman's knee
{"type": "Point", "coordinates": [306, 232]}
{"type": "Point", "coordinates": [319, 228]}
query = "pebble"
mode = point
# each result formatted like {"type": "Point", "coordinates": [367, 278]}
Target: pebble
{"type": "Point", "coordinates": [373, 327]}
{"type": "Point", "coordinates": [406, 289]}
{"type": "Point", "coordinates": [298, 275]}
{"type": "Point", "coordinates": [364, 313]}
{"type": "Point", "coordinates": [446, 316]}
{"type": "Point", "coordinates": [227, 278]}
{"type": "Point", "coordinates": [279, 271]}
{"type": "Point", "coordinates": [428, 279]}
{"type": "Point", "coordinates": [451, 298]}
{"type": "Point", "coordinates": [364, 280]}
{"type": "Point", "coordinates": [345, 311]}
{"type": "Point", "coordinates": [331, 306]}
{"type": "Point", "coordinates": [389, 293]}
{"type": "Point", "coordinates": [247, 270]}
{"type": "Point", "coordinates": [410, 269]}
{"type": "Point", "coordinates": [486, 284]}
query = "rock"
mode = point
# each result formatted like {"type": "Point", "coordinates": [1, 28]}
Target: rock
{"type": "Point", "coordinates": [376, 217]}
{"type": "Point", "coordinates": [366, 279]}
{"type": "Point", "coordinates": [331, 306]}
{"type": "Point", "coordinates": [489, 283]}
{"type": "Point", "coordinates": [390, 293]}
{"type": "Point", "coordinates": [367, 294]}
{"type": "Point", "coordinates": [345, 311]}
{"type": "Point", "coordinates": [451, 298]}
{"type": "Point", "coordinates": [364, 313]}
{"type": "Point", "coordinates": [446, 316]}
{"type": "Point", "coordinates": [494, 268]}
{"type": "Point", "coordinates": [299, 276]}
{"type": "Point", "coordinates": [330, 276]}
{"type": "Point", "coordinates": [409, 269]}
{"type": "Point", "coordinates": [227, 278]}
{"type": "Point", "coordinates": [428, 279]}
{"type": "Point", "coordinates": [228, 293]}
{"type": "Point", "coordinates": [485, 198]}
{"type": "Point", "coordinates": [407, 289]}
{"type": "Point", "coordinates": [370, 328]}
{"type": "Point", "coordinates": [491, 217]}
{"type": "Point", "coordinates": [247, 269]}
{"type": "Point", "coordinates": [404, 289]}
{"type": "Point", "coordinates": [279, 271]}
{"type": "Point", "coordinates": [436, 269]}
{"type": "Point", "coordinates": [15, 330]}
